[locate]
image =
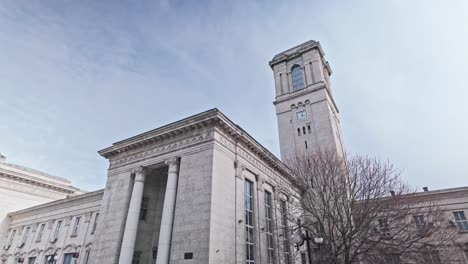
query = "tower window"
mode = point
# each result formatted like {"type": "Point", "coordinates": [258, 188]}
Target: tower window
{"type": "Point", "coordinates": [298, 131]}
{"type": "Point", "coordinates": [308, 129]}
{"type": "Point", "coordinates": [297, 77]}
{"type": "Point", "coordinates": [305, 144]}
{"type": "Point", "coordinates": [303, 130]}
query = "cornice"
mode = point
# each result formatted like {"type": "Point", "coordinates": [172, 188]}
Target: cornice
{"type": "Point", "coordinates": [296, 51]}
{"type": "Point", "coordinates": [160, 134]}
{"type": "Point", "coordinates": [153, 143]}
{"type": "Point", "coordinates": [84, 198]}
{"type": "Point", "coordinates": [28, 180]}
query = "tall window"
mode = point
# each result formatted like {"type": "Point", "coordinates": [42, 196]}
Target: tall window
{"type": "Point", "coordinates": [419, 221]}
{"type": "Point", "coordinates": [86, 257]}
{"type": "Point", "coordinates": [76, 227]}
{"type": "Point", "coordinates": [67, 258]}
{"type": "Point", "coordinates": [461, 221]}
{"type": "Point", "coordinates": [57, 229]}
{"type": "Point", "coordinates": [249, 222]}
{"type": "Point", "coordinates": [384, 228]}
{"type": "Point", "coordinates": [284, 227]}
{"type": "Point", "coordinates": [31, 260]}
{"type": "Point", "coordinates": [297, 77]}
{"type": "Point", "coordinates": [12, 236]}
{"type": "Point", "coordinates": [269, 228]}
{"type": "Point", "coordinates": [95, 223]}
{"type": "Point", "coordinates": [40, 233]}
{"type": "Point", "coordinates": [25, 235]}
{"type": "Point", "coordinates": [431, 257]}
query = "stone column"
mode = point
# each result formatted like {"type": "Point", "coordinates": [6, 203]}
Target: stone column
{"type": "Point", "coordinates": [133, 216]}
{"type": "Point", "coordinates": [164, 244]}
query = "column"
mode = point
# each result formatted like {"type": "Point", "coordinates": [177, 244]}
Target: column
{"type": "Point", "coordinates": [165, 234]}
{"type": "Point", "coordinates": [133, 216]}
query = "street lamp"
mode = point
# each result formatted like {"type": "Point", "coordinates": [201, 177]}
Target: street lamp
{"type": "Point", "coordinates": [299, 238]}
{"type": "Point", "coordinates": [54, 258]}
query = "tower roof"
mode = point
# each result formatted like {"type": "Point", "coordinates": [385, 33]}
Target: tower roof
{"type": "Point", "coordinates": [296, 51]}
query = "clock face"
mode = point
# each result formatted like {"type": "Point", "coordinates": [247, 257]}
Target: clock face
{"type": "Point", "coordinates": [302, 115]}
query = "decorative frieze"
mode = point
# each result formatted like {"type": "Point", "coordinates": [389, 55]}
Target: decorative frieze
{"type": "Point", "coordinates": [156, 151]}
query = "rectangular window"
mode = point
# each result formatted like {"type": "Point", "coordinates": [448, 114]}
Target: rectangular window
{"type": "Point", "coordinates": [384, 228]}
{"type": "Point", "coordinates": [25, 235]}
{"type": "Point", "coordinates": [76, 227]}
{"type": "Point", "coordinates": [67, 258]}
{"type": "Point", "coordinates": [284, 227]}
{"type": "Point", "coordinates": [86, 257]}
{"type": "Point", "coordinates": [95, 223]}
{"type": "Point", "coordinates": [431, 257]}
{"type": "Point", "coordinates": [32, 260]}
{"type": "Point", "coordinates": [57, 229]}
{"type": "Point", "coordinates": [49, 259]}
{"type": "Point", "coordinates": [269, 228]}
{"type": "Point", "coordinates": [419, 221]}
{"type": "Point", "coordinates": [12, 237]}
{"type": "Point", "coordinates": [249, 223]}
{"type": "Point", "coordinates": [40, 233]}
{"type": "Point", "coordinates": [461, 221]}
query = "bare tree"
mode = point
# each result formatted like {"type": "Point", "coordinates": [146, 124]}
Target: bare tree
{"type": "Point", "coordinates": [363, 211]}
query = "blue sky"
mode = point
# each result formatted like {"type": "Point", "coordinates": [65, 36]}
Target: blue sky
{"type": "Point", "coordinates": [77, 76]}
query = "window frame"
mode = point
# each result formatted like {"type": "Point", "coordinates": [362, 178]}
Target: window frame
{"type": "Point", "coordinates": [462, 224]}
{"type": "Point", "coordinates": [95, 223]}
{"type": "Point", "coordinates": [86, 256]}
{"type": "Point", "coordinates": [285, 229]}
{"type": "Point", "coordinates": [58, 227]}
{"type": "Point", "coordinates": [297, 78]}
{"type": "Point", "coordinates": [76, 226]}
{"type": "Point", "coordinates": [419, 221]}
{"type": "Point", "coordinates": [269, 228]}
{"type": "Point", "coordinates": [249, 222]}
{"type": "Point", "coordinates": [40, 233]}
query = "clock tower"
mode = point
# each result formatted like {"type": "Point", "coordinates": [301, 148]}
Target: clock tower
{"type": "Point", "coordinates": [307, 115]}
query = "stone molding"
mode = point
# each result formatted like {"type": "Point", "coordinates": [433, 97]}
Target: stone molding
{"type": "Point", "coordinates": [151, 144]}
{"type": "Point", "coordinates": [36, 183]}
{"type": "Point", "coordinates": [159, 150]}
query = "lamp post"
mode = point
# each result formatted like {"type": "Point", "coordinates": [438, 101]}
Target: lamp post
{"type": "Point", "coordinates": [299, 238]}
{"type": "Point", "coordinates": [54, 258]}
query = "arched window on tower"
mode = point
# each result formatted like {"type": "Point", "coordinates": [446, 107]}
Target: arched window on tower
{"type": "Point", "coordinates": [303, 130]}
{"type": "Point", "coordinates": [298, 131]}
{"type": "Point", "coordinates": [297, 77]}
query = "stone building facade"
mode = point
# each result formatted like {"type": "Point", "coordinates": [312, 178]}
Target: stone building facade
{"type": "Point", "coordinates": [453, 203]}
{"type": "Point", "coordinates": [22, 187]}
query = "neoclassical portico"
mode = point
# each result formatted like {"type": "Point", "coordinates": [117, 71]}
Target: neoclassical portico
{"type": "Point", "coordinates": [133, 216]}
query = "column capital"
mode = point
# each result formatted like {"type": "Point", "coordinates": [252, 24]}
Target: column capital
{"type": "Point", "coordinates": [173, 164]}
{"type": "Point", "coordinates": [140, 173]}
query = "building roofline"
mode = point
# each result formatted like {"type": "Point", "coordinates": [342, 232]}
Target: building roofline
{"type": "Point", "coordinates": [24, 168]}
{"type": "Point", "coordinates": [57, 202]}
{"type": "Point", "coordinates": [440, 191]}
{"type": "Point", "coordinates": [296, 51]}
{"type": "Point", "coordinates": [212, 117]}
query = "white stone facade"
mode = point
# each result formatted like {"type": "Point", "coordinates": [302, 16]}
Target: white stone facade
{"type": "Point", "coordinates": [65, 227]}
{"type": "Point", "coordinates": [22, 187]}
{"type": "Point", "coordinates": [454, 203]}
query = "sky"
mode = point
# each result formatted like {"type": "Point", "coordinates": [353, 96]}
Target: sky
{"type": "Point", "coordinates": [76, 76]}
